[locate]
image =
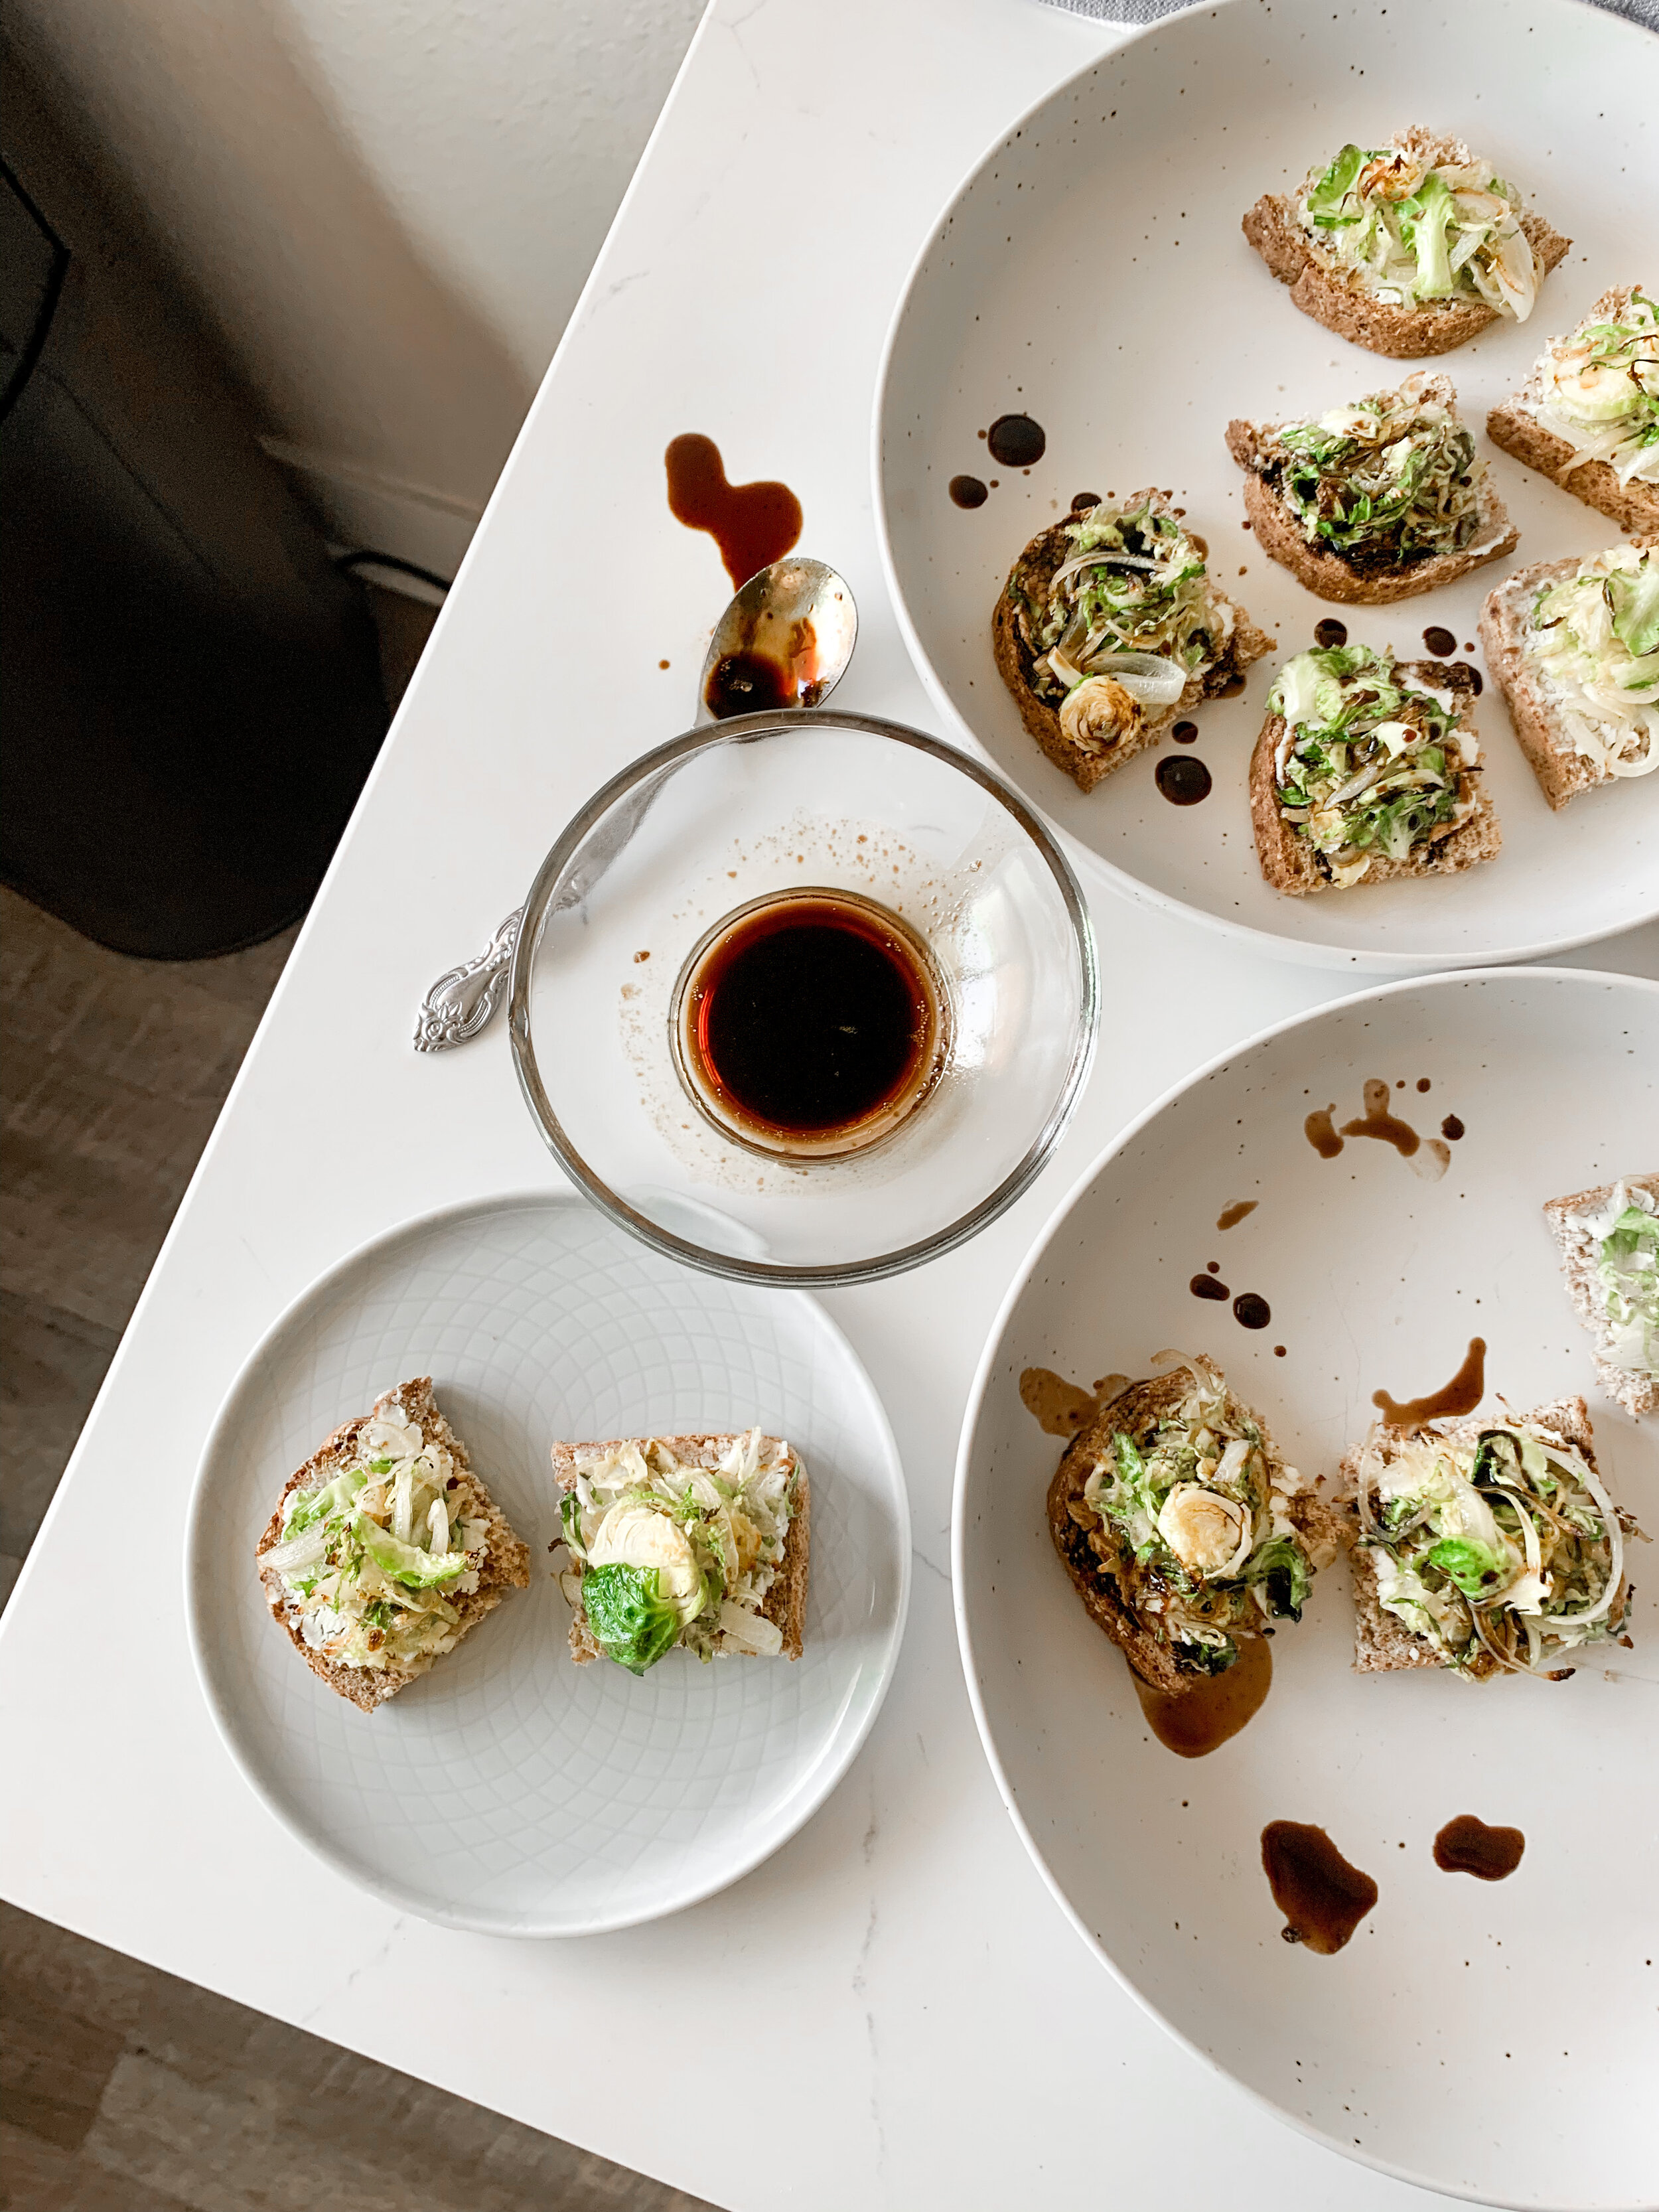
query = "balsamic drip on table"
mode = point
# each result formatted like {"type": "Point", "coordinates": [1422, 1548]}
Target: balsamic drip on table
{"type": "Point", "coordinates": [1195, 1720]}
{"type": "Point", "coordinates": [1322, 1897]}
{"type": "Point", "coordinates": [1017, 441]}
{"type": "Point", "coordinates": [1439, 643]}
{"type": "Point", "coordinates": [968, 491]}
{"type": "Point", "coordinates": [753, 524]}
{"type": "Point", "coordinates": [1185, 733]}
{"type": "Point", "coordinates": [1461, 1395]}
{"type": "Point", "coordinates": [1331, 632]}
{"type": "Point", "coordinates": [1182, 779]}
{"type": "Point", "coordinates": [1207, 1286]}
{"type": "Point", "coordinates": [1467, 1845]}
{"type": "Point", "coordinates": [1452, 1128]}
{"type": "Point", "coordinates": [1251, 1309]}
{"type": "Point", "coordinates": [813, 1015]}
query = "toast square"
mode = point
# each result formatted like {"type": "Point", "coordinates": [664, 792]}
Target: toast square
{"type": "Point", "coordinates": [1515, 427]}
{"type": "Point", "coordinates": [506, 1566]}
{"type": "Point", "coordinates": [1636, 1393]}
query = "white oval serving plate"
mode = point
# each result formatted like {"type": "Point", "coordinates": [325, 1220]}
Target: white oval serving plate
{"type": "Point", "coordinates": [510, 1790]}
{"type": "Point", "coordinates": [1497, 2041]}
{"type": "Point", "coordinates": [1092, 272]}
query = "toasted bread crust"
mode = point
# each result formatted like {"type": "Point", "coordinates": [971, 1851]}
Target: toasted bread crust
{"type": "Point", "coordinates": [506, 1562]}
{"type": "Point", "coordinates": [1562, 772]}
{"type": "Point", "coordinates": [1135, 1410]}
{"type": "Point", "coordinates": [1636, 1393]}
{"type": "Point", "coordinates": [1383, 1645]}
{"type": "Point", "coordinates": [785, 1601]}
{"type": "Point", "coordinates": [1515, 426]}
{"type": "Point", "coordinates": [1328, 574]}
{"type": "Point", "coordinates": [1333, 296]}
{"type": "Point", "coordinates": [1288, 862]}
{"type": "Point", "coordinates": [1033, 569]}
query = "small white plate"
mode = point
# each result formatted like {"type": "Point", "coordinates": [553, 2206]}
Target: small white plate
{"type": "Point", "coordinates": [1091, 273]}
{"type": "Point", "coordinates": [1499, 2040]}
{"type": "Point", "coordinates": [510, 1790]}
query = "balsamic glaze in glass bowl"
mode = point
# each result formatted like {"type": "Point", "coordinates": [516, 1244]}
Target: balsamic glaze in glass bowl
{"type": "Point", "coordinates": [856, 818]}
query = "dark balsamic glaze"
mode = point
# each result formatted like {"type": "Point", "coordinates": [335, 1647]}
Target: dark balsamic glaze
{"type": "Point", "coordinates": [1082, 501]}
{"type": "Point", "coordinates": [1452, 1128]}
{"type": "Point", "coordinates": [1466, 1845]}
{"type": "Point", "coordinates": [1330, 632]}
{"type": "Point", "coordinates": [1017, 441]}
{"type": "Point", "coordinates": [1060, 1407]}
{"type": "Point", "coordinates": [1440, 643]}
{"type": "Point", "coordinates": [1182, 780]}
{"type": "Point", "coordinates": [1233, 688]}
{"type": "Point", "coordinates": [968, 491]}
{"type": "Point", "coordinates": [1472, 677]}
{"type": "Point", "coordinates": [1230, 1216]}
{"type": "Point", "coordinates": [813, 1015]}
{"type": "Point", "coordinates": [1423, 1082]}
{"type": "Point", "coordinates": [753, 524]}
{"type": "Point", "coordinates": [1251, 1309]}
{"type": "Point", "coordinates": [1185, 733]}
{"type": "Point", "coordinates": [1378, 1122]}
{"type": "Point", "coordinates": [1207, 1286]}
{"type": "Point", "coordinates": [1322, 1897]}
{"type": "Point", "coordinates": [1193, 1721]}
{"type": "Point", "coordinates": [744, 683]}
{"type": "Point", "coordinates": [1321, 1133]}
{"type": "Point", "coordinates": [1461, 1395]}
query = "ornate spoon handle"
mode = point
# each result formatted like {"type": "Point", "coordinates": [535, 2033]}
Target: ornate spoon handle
{"type": "Point", "coordinates": [463, 999]}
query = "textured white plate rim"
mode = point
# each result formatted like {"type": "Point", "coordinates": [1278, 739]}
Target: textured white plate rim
{"type": "Point", "coordinates": [399, 1895]}
{"type": "Point", "coordinates": [1304, 952]}
{"type": "Point", "coordinates": [1455, 978]}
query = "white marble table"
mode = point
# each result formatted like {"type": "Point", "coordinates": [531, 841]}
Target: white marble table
{"type": "Point", "coordinates": [929, 2031]}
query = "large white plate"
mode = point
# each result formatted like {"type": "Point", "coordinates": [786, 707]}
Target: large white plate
{"type": "Point", "coordinates": [510, 1790]}
{"type": "Point", "coordinates": [1092, 272]}
{"type": "Point", "coordinates": [1497, 2041]}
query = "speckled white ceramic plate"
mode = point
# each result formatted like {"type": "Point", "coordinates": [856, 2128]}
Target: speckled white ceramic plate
{"type": "Point", "coordinates": [1498, 2041]}
{"type": "Point", "coordinates": [1091, 272]}
{"type": "Point", "coordinates": [509, 1790]}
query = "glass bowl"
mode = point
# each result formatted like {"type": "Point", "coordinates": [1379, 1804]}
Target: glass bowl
{"type": "Point", "coordinates": [872, 815]}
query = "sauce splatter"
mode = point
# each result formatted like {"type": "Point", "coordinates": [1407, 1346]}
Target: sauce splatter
{"type": "Point", "coordinates": [1378, 1122]}
{"type": "Point", "coordinates": [1472, 677]}
{"type": "Point", "coordinates": [1017, 441]}
{"type": "Point", "coordinates": [1083, 500]}
{"type": "Point", "coordinates": [1451, 1127]}
{"type": "Point", "coordinates": [1441, 643]}
{"type": "Point", "coordinates": [753, 524]}
{"type": "Point", "coordinates": [1330, 632]}
{"type": "Point", "coordinates": [1423, 1082]}
{"type": "Point", "coordinates": [1207, 1286]}
{"type": "Point", "coordinates": [1185, 733]}
{"type": "Point", "coordinates": [1466, 1845]}
{"type": "Point", "coordinates": [1061, 1409]}
{"type": "Point", "coordinates": [1182, 780]}
{"type": "Point", "coordinates": [1251, 1309]}
{"type": "Point", "coordinates": [1461, 1395]}
{"type": "Point", "coordinates": [1230, 1216]}
{"type": "Point", "coordinates": [1195, 1722]}
{"type": "Point", "coordinates": [1321, 1133]}
{"type": "Point", "coordinates": [968, 491]}
{"type": "Point", "coordinates": [1322, 1897]}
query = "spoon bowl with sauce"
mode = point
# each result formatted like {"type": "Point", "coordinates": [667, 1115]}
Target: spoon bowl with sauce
{"type": "Point", "coordinates": [783, 643]}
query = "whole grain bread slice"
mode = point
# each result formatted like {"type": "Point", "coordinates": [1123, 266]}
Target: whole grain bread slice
{"type": "Point", "coordinates": [1333, 295]}
{"type": "Point", "coordinates": [1091, 1552]}
{"type": "Point", "coordinates": [1331, 575]}
{"type": "Point", "coordinates": [1505, 621]}
{"type": "Point", "coordinates": [785, 1604]}
{"type": "Point", "coordinates": [1636, 1393]}
{"type": "Point", "coordinates": [1382, 1643]}
{"type": "Point", "coordinates": [1516, 427]}
{"type": "Point", "coordinates": [1289, 862]}
{"type": "Point", "coordinates": [506, 1566]}
{"type": "Point", "coordinates": [1015, 660]}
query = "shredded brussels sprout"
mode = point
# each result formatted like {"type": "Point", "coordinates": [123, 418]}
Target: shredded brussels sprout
{"type": "Point", "coordinates": [1594, 638]}
{"type": "Point", "coordinates": [1598, 388]}
{"type": "Point", "coordinates": [1391, 479]}
{"type": "Point", "coordinates": [1409, 229]}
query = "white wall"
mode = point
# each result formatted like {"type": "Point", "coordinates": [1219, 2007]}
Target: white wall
{"type": "Point", "coordinates": [387, 207]}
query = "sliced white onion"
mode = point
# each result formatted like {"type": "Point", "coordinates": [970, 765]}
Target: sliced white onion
{"type": "Point", "coordinates": [1101, 558]}
{"type": "Point", "coordinates": [306, 1550]}
{"type": "Point", "coordinates": [1150, 678]}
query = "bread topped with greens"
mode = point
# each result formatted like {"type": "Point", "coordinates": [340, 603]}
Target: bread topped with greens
{"type": "Point", "coordinates": [699, 1543]}
{"type": "Point", "coordinates": [386, 1549]}
{"type": "Point", "coordinates": [1367, 770]}
{"type": "Point", "coordinates": [1574, 645]}
{"type": "Point", "coordinates": [1408, 249]}
{"type": "Point", "coordinates": [1182, 1528]}
{"type": "Point", "coordinates": [1487, 1547]}
{"type": "Point", "coordinates": [1110, 626]}
{"type": "Point", "coordinates": [1587, 414]}
{"type": "Point", "coordinates": [1609, 1241]}
{"type": "Point", "coordinates": [1377, 500]}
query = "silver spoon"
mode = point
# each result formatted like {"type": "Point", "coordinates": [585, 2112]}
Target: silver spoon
{"type": "Point", "coordinates": [784, 642]}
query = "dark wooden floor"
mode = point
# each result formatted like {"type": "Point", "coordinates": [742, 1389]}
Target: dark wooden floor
{"type": "Point", "coordinates": [123, 2089]}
